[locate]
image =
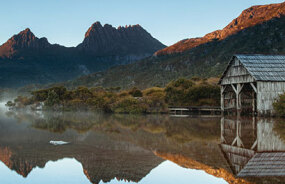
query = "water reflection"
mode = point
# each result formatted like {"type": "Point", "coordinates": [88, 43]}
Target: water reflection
{"type": "Point", "coordinates": [254, 148]}
{"type": "Point", "coordinates": [134, 148]}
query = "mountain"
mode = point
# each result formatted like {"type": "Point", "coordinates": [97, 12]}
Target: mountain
{"type": "Point", "coordinates": [248, 18]}
{"type": "Point", "coordinates": [130, 40]}
{"type": "Point", "coordinates": [24, 40]}
{"type": "Point", "coordinates": [26, 59]}
{"type": "Point", "coordinates": [258, 30]}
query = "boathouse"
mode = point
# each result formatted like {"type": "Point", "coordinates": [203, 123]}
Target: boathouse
{"type": "Point", "coordinates": [251, 83]}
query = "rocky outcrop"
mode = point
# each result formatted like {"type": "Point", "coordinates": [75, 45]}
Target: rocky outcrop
{"type": "Point", "coordinates": [128, 40]}
{"type": "Point", "coordinates": [248, 18]}
{"type": "Point", "coordinates": [24, 40]}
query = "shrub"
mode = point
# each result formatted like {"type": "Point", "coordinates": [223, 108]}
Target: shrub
{"type": "Point", "coordinates": [135, 92]}
{"type": "Point", "coordinates": [203, 95]}
{"type": "Point", "coordinates": [130, 105]}
{"type": "Point", "coordinates": [21, 101]}
{"type": "Point", "coordinates": [10, 104]}
{"type": "Point", "coordinates": [82, 93]}
{"type": "Point", "coordinates": [153, 91]}
{"type": "Point", "coordinates": [183, 92]}
{"type": "Point", "coordinates": [52, 99]}
{"type": "Point", "coordinates": [279, 105]}
{"type": "Point", "coordinates": [176, 91]}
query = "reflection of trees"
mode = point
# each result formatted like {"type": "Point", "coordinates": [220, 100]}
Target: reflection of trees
{"type": "Point", "coordinates": [61, 124]}
{"type": "Point", "coordinates": [180, 130]}
{"type": "Point", "coordinates": [279, 127]}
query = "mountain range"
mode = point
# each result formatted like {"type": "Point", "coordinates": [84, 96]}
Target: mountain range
{"type": "Point", "coordinates": [26, 59]}
{"type": "Point", "coordinates": [129, 56]}
{"type": "Point", "coordinates": [258, 30]}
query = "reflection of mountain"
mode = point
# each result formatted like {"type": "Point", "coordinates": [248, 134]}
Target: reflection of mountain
{"type": "Point", "coordinates": [23, 148]}
{"type": "Point", "coordinates": [128, 147]}
{"type": "Point", "coordinates": [223, 171]}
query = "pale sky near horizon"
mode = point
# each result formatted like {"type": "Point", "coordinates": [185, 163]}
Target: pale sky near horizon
{"type": "Point", "coordinates": [66, 21]}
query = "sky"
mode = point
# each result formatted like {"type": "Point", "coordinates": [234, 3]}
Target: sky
{"type": "Point", "coordinates": [66, 21]}
{"type": "Point", "coordinates": [69, 170]}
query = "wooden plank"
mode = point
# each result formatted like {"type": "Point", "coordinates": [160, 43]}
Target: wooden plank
{"type": "Point", "coordinates": [254, 88]}
{"type": "Point", "coordinates": [178, 109]}
{"type": "Point", "coordinates": [235, 90]}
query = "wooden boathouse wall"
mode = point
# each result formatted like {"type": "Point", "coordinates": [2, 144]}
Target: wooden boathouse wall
{"type": "Point", "coordinates": [252, 83]}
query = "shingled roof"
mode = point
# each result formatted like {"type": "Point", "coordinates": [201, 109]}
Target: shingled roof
{"type": "Point", "coordinates": [265, 164]}
{"type": "Point", "coordinates": [262, 67]}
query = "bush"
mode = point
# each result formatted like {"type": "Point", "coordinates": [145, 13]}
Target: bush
{"type": "Point", "coordinates": [52, 99]}
{"type": "Point", "coordinates": [183, 92]}
{"type": "Point", "coordinates": [135, 92]}
{"type": "Point", "coordinates": [279, 105]}
{"type": "Point", "coordinates": [42, 95]}
{"type": "Point", "coordinates": [130, 105]}
{"type": "Point", "coordinates": [10, 104]}
{"type": "Point", "coordinates": [204, 94]}
{"type": "Point", "coordinates": [176, 92]}
{"type": "Point", "coordinates": [21, 101]}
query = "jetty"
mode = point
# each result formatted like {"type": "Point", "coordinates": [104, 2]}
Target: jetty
{"type": "Point", "coordinates": [196, 110]}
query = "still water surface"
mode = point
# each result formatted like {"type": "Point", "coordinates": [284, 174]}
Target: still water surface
{"type": "Point", "coordinates": [149, 149]}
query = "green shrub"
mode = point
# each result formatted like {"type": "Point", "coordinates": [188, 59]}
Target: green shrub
{"type": "Point", "coordinates": [204, 94]}
{"type": "Point", "coordinates": [176, 92]}
{"type": "Point", "coordinates": [135, 92]}
{"type": "Point", "coordinates": [279, 105]}
{"type": "Point", "coordinates": [22, 101]}
{"type": "Point", "coordinates": [183, 92]}
{"type": "Point", "coordinates": [10, 104]}
{"type": "Point", "coordinates": [130, 105]}
{"type": "Point", "coordinates": [52, 99]}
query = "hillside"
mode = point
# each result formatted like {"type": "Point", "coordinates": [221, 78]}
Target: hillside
{"type": "Point", "coordinates": [26, 59]}
{"type": "Point", "coordinates": [264, 33]}
{"type": "Point", "coordinates": [248, 18]}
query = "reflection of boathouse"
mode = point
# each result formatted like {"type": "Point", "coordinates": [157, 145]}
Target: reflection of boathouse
{"type": "Point", "coordinates": [252, 148]}
{"type": "Point", "coordinates": [251, 83]}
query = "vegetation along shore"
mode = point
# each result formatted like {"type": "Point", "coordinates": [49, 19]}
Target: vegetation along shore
{"type": "Point", "coordinates": [181, 92]}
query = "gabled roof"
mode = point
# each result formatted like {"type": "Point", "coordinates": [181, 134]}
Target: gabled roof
{"type": "Point", "coordinates": [262, 67]}
{"type": "Point", "coordinates": [265, 164]}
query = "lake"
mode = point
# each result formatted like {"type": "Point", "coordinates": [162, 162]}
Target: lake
{"type": "Point", "coordinates": [150, 149]}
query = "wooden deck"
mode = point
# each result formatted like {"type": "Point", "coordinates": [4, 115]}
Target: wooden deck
{"type": "Point", "coordinates": [213, 110]}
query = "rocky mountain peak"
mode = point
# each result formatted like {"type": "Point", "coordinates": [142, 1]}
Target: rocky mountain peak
{"type": "Point", "coordinates": [23, 40]}
{"type": "Point", "coordinates": [127, 40]}
{"type": "Point", "coordinates": [24, 36]}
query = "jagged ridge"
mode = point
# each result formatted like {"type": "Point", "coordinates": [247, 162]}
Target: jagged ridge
{"type": "Point", "coordinates": [26, 59]}
{"type": "Point", "coordinates": [107, 40]}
